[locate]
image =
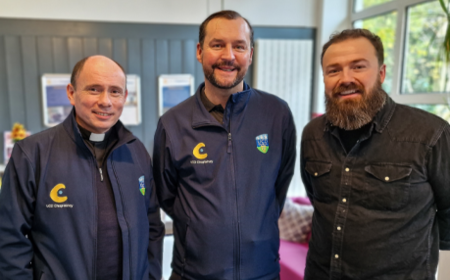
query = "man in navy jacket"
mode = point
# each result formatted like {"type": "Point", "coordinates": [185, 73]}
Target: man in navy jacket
{"type": "Point", "coordinates": [223, 161]}
{"type": "Point", "coordinates": [78, 199]}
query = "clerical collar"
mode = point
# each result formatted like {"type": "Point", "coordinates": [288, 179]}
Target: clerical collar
{"type": "Point", "coordinates": [93, 137]}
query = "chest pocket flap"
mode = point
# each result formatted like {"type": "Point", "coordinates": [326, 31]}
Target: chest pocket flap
{"type": "Point", "coordinates": [389, 172]}
{"type": "Point", "coordinates": [317, 168]}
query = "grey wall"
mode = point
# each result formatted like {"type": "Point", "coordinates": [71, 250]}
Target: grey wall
{"type": "Point", "coordinates": [30, 48]}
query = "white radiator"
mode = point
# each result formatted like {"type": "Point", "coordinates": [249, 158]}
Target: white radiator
{"type": "Point", "coordinates": [284, 68]}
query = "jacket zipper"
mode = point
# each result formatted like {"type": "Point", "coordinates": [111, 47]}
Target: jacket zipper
{"type": "Point", "coordinates": [101, 174]}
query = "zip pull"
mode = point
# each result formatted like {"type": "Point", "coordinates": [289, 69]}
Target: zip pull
{"type": "Point", "coordinates": [229, 143]}
{"type": "Point", "coordinates": [101, 174]}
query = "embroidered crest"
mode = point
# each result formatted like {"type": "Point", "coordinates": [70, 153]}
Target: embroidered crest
{"type": "Point", "coordinates": [262, 143]}
{"type": "Point", "coordinates": [142, 185]}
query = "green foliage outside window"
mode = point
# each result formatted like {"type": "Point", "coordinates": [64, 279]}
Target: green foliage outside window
{"type": "Point", "coordinates": [384, 26]}
{"type": "Point", "coordinates": [425, 69]}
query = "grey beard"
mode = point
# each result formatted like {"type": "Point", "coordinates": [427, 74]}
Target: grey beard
{"type": "Point", "coordinates": [351, 114]}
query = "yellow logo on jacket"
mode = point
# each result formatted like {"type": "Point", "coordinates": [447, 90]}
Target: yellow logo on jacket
{"type": "Point", "coordinates": [198, 151]}
{"type": "Point", "coordinates": [56, 192]}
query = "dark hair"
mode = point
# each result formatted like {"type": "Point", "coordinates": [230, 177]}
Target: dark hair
{"type": "Point", "coordinates": [354, 34]}
{"type": "Point", "coordinates": [79, 66]}
{"type": "Point", "coordinates": [227, 14]}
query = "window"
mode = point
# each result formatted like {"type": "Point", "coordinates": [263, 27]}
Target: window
{"type": "Point", "coordinates": [385, 27]}
{"type": "Point", "coordinates": [412, 32]}
{"type": "Point", "coordinates": [363, 4]}
{"type": "Point", "coordinates": [424, 68]}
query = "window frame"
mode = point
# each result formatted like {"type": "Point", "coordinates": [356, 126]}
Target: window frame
{"type": "Point", "coordinates": [400, 6]}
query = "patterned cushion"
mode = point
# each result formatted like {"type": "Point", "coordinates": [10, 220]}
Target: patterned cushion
{"type": "Point", "coordinates": [295, 221]}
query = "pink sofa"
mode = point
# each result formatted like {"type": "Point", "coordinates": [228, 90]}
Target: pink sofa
{"type": "Point", "coordinates": [293, 254]}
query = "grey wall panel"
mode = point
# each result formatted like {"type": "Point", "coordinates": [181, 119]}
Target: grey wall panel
{"type": "Point", "coordinates": [105, 47]}
{"type": "Point", "coordinates": [175, 57]}
{"type": "Point", "coordinates": [90, 46]}
{"type": "Point", "coordinates": [32, 84]}
{"type": "Point", "coordinates": [149, 92]}
{"type": "Point", "coordinates": [30, 48]}
{"type": "Point", "coordinates": [60, 55]}
{"type": "Point", "coordinates": [188, 57]}
{"type": "Point", "coordinates": [120, 52]}
{"type": "Point", "coordinates": [75, 48]}
{"type": "Point", "coordinates": [162, 57]}
{"type": "Point", "coordinates": [45, 55]}
{"type": "Point", "coordinates": [5, 122]}
{"type": "Point", "coordinates": [15, 79]}
{"type": "Point", "coordinates": [134, 67]}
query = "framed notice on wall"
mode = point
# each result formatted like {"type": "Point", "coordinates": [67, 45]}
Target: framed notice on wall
{"type": "Point", "coordinates": [56, 105]}
{"type": "Point", "coordinates": [174, 89]}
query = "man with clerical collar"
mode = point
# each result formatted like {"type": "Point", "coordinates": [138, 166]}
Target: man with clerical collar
{"type": "Point", "coordinates": [223, 161]}
{"type": "Point", "coordinates": [377, 173]}
{"type": "Point", "coordinates": [78, 200]}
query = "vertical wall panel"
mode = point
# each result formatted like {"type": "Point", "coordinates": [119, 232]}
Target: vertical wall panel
{"type": "Point", "coordinates": [134, 67]}
{"type": "Point", "coordinates": [189, 57]}
{"type": "Point", "coordinates": [60, 55]}
{"type": "Point", "coordinates": [105, 47]}
{"type": "Point", "coordinates": [149, 92]}
{"type": "Point", "coordinates": [120, 52]}
{"type": "Point", "coordinates": [162, 57]}
{"type": "Point", "coordinates": [90, 46]}
{"type": "Point", "coordinates": [45, 55]}
{"type": "Point", "coordinates": [14, 78]}
{"type": "Point", "coordinates": [32, 84]}
{"type": "Point", "coordinates": [75, 47]}
{"type": "Point", "coordinates": [175, 57]}
{"type": "Point", "coordinates": [5, 121]}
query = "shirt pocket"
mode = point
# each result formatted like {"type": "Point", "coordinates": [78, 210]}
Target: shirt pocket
{"type": "Point", "coordinates": [320, 179]}
{"type": "Point", "coordinates": [387, 186]}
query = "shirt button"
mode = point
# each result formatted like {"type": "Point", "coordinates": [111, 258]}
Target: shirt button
{"type": "Point", "coordinates": [315, 174]}
{"type": "Point", "coordinates": [338, 228]}
{"type": "Point", "coordinates": [386, 178]}
{"type": "Point", "coordinates": [344, 200]}
{"type": "Point", "coordinates": [336, 256]}
{"type": "Point", "coordinates": [347, 169]}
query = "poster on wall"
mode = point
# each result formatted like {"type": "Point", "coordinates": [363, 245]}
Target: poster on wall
{"type": "Point", "coordinates": [56, 105]}
{"type": "Point", "coordinates": [174, 89]}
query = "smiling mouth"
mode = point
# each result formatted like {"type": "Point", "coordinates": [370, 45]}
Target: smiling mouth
{"type": "Point", "coordinates": [349, 92]}
{"type": "Point", "coordinates": [103, 114]}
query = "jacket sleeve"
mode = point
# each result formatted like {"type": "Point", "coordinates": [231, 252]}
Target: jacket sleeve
{"type": "Point", "coordinates": [156, 236]}
{"type": "Point", "coordinates": [439, 178]}
{"type": "Point", "coordinates": [305, 176]}
{"type": "Point", "coordinates": [164, 170]}
{"type": "Point", "coordinates": [287, 166]}
{"type": "Point", "coordinates": [17, 202]}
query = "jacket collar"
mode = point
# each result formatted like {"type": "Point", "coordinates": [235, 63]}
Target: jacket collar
{"type": "Point", "coordinates": [201, 116]}
{"type": "Point", "coordinates": [71, 127]}
{"type": "Point", "coordinates": [381, 119]}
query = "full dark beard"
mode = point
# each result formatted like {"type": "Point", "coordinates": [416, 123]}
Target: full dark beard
{"type": "Point", "coordinates": [209, 75]}
{"type": "Point", "coordinates": [350, 114]}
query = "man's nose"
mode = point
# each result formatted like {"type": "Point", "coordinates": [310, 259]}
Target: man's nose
{"type": "Point", "coordinates": [347, 77]}
{"type": "Point", "coordinates": [104, 99]}
{"type": "Point", "coordinates": [228, 53]}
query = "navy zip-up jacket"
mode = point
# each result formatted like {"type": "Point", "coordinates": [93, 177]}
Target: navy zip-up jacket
{"type": "Point", "coordinates": [48, 207]}
{"type": "Point", "coordinates": [224, 194]}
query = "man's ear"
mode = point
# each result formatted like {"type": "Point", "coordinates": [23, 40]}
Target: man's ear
{"type": "Point", "coordinates": [251, 56]}
{"type": "Point", "coordinates": [70, 90]}
{"type": "Point", "coordinates": [199, 52]}
{"type": "Point", "coordinates": [382, 73]}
